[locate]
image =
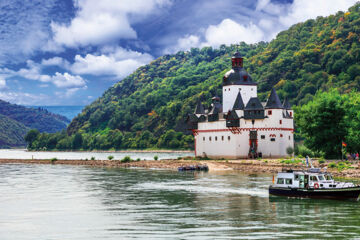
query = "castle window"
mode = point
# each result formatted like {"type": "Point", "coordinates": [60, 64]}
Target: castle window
{"type": "Point", "coordinates": [222, 138]}
{"type": "Point", "coordinates": [280, 121]}
{"type": "Point", "coordinates": [229, 138]}
{"type": "Point", "coordinates": [269, 112]}
{"type": "Point", "coordinates": [262, 136]}
{"type": "Point", "coordinates": [252, 89]}
{"type": "Point", "coordinates": [229, 89]}
{"type": "Point", "coordinates": [204, 139]}
{"type": "Point", "coordinates": [289, 137]}
{"type": "Point", "coordinates": [215, 138]}
{"type": "Point", "coordinates": [290, 114]}
{"type": "Point", "coordinates": [225, 89]}
{"type": "Point", "coordinates": [209, 138]}
{"type": "Point", "coordinates": [281, 134]}
{"type": "Point", "coordinates": [272, 139]}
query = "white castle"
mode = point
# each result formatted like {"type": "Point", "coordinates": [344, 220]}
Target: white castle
{"type": "Point", "coordinates": [243, 127]}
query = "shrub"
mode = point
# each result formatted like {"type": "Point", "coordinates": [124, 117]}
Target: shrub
{"type": "Point", "coordinates": [92, 158]}
{"type": "Point", "coordinates": [156, 157]}
{"type": "Point", "coordinates": [138, 159]}
{"type": "Point", "coordinates": [321, 161]}
{"type": "Point", "coordinates": [332, 165]}
{"type": "Point", "coordinates": [53, 160]}
{"type": "Point", "coordinates": [179, 158]}
{"type": "Point", "coordinates": [304, 151]}
{"type": "Point", "coordinates": [110, 157]}
{"type": "Point", "coordinates": [289, 151]}
{"type": "Point", "coordinates": [126, 159]}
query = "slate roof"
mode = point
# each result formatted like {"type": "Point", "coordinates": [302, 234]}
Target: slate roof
{"type": "Point", "coordinates": [238, 76]}
{"type": "Point", "coordinates": [199, 108]}
{"type": "Point", "coordinates": [239, 103]}
{"type": "Point", "coordinates": [216, 106]}
{"type": "Point", "coordinates": [254, 104]}
{"type": "Point", "coordinates": [286, 104]}
{"type": "Point", "coordinates": [274, 101]}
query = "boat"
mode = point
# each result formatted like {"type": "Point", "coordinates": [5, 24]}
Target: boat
{"type": "Point", "coordinates": [199, 167]}
{"type": "Point", "coordinates": [312, 183]}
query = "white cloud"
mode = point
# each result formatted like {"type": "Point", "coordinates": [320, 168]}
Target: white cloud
{"type": "Point", "coordinates": [98, 22]}
{"type": "Point", "coordinates": [302, 10]}
{"type": "Point", "coordinates": [229, 31]}
{"type": "Point", "coordinates": [33, 72]}
{"type": "Point", "coordinates": [67, 80]}
{"type": "Point", "coordinates": [113, 61]}
{"type": "Point", "coordinates": [2, 83]}
{"type": "Point", "coordinates": [24, 98]}
{"type": "Point", "coordinates": [56, 61]}
{"type": "Point", "coordinates": [273, 18]}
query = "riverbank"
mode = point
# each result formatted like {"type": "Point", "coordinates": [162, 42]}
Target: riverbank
{"type": "Point", "coordinates": [248, 166]}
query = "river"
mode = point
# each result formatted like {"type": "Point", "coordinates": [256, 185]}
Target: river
{"type": "Point", "coordinates": [79, 202]}
{"type": "Point", "coordinates": [24, 154]}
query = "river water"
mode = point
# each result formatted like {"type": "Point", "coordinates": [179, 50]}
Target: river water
{"type": "Point", "coordinates": [79, 202]}
{"type": "Point", "coordinates": [23, 154]}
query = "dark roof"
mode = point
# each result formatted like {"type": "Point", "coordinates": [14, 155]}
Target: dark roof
{"type": "Point", "coordinates": [216, 108]}
{"type": "Point", "coordinates": [238, 76]}
{"type": "Point", "coordinates": [254, 104]}
{"type": "Point", "coordinates": [274, 101]}
{"type": "Point", "coordinates": [239, 104]}
{"type": "Point", "coordinates": [199, 108]}
{"type": "Point", "coordinates": [237, 55]}
{"type": "Point", "coordinates": [286, 104]}
{"type": "Point", "coordinates": [231, 115]}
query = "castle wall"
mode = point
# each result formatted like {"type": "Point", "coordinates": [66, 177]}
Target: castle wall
{"type": "Point", "coordinates": [215, 140]}
{"type": "Point", "coordinates": [230, 93]}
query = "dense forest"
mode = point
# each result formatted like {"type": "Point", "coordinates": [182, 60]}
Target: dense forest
{"type": "Point", "coordinates": [16, 121]}
{"type": "Point", "coordinates": [147, 109]}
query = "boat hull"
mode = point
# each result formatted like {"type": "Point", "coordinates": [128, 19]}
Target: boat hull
{"type": "Point", "coordinates": [351, 193]}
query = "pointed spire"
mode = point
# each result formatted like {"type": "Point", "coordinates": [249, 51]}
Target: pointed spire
{"type": "Point", "coordinates": [199, 108]}
{"type": "Point", "coordinates": [239, 104]}
{"type": "Point", "coordinates": [286, 104]}
{"type": "Point", "coordinates": [274, 101]}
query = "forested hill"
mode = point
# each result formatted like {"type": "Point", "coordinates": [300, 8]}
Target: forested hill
{"type": "Point", "coordinates": [37, 118]}
{"type": "Point", "coordinates": [148, 108]}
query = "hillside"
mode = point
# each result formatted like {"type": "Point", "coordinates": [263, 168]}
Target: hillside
{"type": "Point", "coordinates": [37, 118]}
{"type": "Point", "coordinates": [148, 108]}
{"type": "Point", "coordinates": [11, 133]}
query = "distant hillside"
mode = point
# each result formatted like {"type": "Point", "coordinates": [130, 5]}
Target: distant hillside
{"type": "Point", "coordinates": [11, 133]}
{"type": "Point", "coordinates": [148, 108]}
{"type": "Point", "coordinates": [38, 118]}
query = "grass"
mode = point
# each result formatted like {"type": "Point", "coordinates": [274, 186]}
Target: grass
{"type": "Point", "coordinates": [340, 166]}
{"type": "Point", "coordinates": [291, 161]}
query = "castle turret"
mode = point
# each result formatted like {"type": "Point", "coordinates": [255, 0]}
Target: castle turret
{"type": "Point", "coordinates": [287, 107]}
{"type": "Point", "coordinates": [237, 80]}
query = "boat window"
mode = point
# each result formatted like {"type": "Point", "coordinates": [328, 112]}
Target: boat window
{"type": "Point", "coordinates": [321, 177]}
{"type": "Point", "coordinates": [313, 178]}
{"type": "Point", "coordinates": [288, 181]}
{"type": "Point", "coordinates": [328, 177]}
{"type": "Point", "coordinates": [280, 181]}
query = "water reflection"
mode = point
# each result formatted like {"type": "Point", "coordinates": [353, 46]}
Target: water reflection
{"type": "Point", "coordinates": [57, 202]}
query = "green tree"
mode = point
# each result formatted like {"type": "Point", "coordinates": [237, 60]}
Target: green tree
{"type": "Point", "coordinates": [31, 136]}
{"type": "Point", "coordinates": [322, 123]}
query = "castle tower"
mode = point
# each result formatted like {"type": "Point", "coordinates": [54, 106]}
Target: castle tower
{"type": "Point", "coordinates": [237, 80]}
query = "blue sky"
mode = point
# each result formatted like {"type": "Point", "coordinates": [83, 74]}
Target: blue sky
{"type": "Point", "coordinates": [68, 52]}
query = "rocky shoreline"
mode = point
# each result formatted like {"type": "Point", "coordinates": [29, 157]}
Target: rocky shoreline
{"type": "Point", "coordinates": [248, 166]}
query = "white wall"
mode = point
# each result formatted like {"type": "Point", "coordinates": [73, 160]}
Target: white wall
{"type": "Point", "coordinates": [230, 93]}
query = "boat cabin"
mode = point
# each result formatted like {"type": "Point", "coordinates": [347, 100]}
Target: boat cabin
{"type": "Point", "coordinates": [304, 179]}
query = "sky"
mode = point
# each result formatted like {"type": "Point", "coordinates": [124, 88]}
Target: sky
{"type": "Point", "coordinates": [68, 52]}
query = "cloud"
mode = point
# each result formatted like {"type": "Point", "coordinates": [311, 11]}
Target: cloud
{"type": "Point", "coordinates": [302, 10]}
{"type": "Point", "coordinates": [56, 61]}
{"type": "Point", "coordinates": [2, 83]}
{"type": "Point", "coordinates": [25, 28]}
{"type": "Point", "coordinates": [100, 22]}
{"type": "Point", "coordinates": [113, 61]}
{"type": "Point", "coordinates": [24, 98]}
{"type": "Point", "coordinates": [67, 80]}
{"type": "Point", "coordinates": [272, 18]}
{"type": "Point", "coordinates": [229, 31]}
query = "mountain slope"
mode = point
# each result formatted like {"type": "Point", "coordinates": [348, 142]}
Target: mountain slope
{"type": "Point", "coordinates": [37, 118]}
{"type": "Point", "coordinates": [148, 108]}
{"type": "Point", "coordinates": [11, 133]}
